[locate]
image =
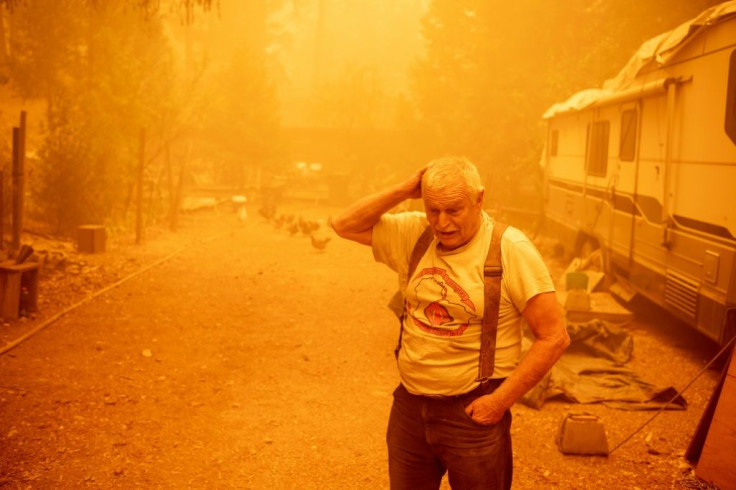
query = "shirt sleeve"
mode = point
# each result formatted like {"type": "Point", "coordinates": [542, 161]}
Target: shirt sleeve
{"type": "Point", "coordinates": [394, 237]}
{"type": "Point", "coordinates": [524, 272]}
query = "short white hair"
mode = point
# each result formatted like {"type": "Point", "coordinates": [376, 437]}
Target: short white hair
{"type": "Point", "coordinates": [448, 172]}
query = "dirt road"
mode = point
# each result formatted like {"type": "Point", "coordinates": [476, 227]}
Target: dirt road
{"type": "Point", "coordinates": [256, 361]}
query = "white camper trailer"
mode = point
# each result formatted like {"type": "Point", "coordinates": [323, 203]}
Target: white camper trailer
{"type": "Point", "coordinates": [645, 168]}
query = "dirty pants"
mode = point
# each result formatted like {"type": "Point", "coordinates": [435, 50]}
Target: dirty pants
{"type": "Point", "coordinates": [427, 436]}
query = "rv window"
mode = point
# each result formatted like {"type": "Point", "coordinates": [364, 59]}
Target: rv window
{"type": "Point", "coordinates": [731, 99]}
{"type": "Point", "coordinates": [627, 145]}
{"type": "Point", "coordinates": [553, 136]}
{"type": "Point", "coordinates": [597, 154]}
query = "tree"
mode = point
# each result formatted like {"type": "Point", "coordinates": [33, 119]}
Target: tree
{"type": "Point", "coordinates": [237, 130]}
{"type": "Point", "coordinates": [459, 86]}
{"type": "Point", "coordinates": [104, 72]}
{"type": "Point", "coordinates": [188, 7]}
{"type": "Point", "coordinates": [241, 127]}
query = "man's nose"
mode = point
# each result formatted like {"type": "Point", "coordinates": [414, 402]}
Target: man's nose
{"type": "Point", "coordinates": [443, 220]}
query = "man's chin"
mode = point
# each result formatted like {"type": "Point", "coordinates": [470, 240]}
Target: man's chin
{"type": "Point", "coordinates": [450, 242]}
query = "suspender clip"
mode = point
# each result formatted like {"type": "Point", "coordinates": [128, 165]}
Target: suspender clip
{"type": "Point", "coordinates": [492, 271]}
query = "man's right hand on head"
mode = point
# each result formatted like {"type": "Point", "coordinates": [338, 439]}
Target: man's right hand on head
{"type": "Point", "coordinates": [414, 183]}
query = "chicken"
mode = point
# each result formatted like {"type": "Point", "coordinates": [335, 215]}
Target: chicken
{"type": "Point", "coordinates": [267, 212]}
{"type": "Point", "coordinates": [308, 226]}
{"type": "Point", "coordinates": [277, 222]}
{"type": "Point", "coordinates": [293, 228]}
{"type": "Point", "coordinates": [318, 242]}
{"type": "Point", "coordinates": [304, 226]}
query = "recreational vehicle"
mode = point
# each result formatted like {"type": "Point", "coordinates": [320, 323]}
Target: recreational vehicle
{"type": "Point", "coordinates": [645, 169]}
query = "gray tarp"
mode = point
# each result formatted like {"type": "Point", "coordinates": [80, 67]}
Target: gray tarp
{"type": "Point", "coordinates": [592, 371]}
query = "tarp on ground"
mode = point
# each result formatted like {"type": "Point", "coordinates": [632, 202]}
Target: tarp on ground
{"type": "Point", "coordinates": [592, 370]}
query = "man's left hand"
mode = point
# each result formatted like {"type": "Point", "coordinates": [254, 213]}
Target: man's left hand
{"type": "Point", "coordinates": [486, 410]}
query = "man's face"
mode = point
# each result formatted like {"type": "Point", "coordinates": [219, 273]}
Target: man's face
{"type": "Point", "coordinates": [453, 216]}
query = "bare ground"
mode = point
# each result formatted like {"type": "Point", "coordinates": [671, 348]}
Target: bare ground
{"type": "Point", "coordinates": [248, 359]}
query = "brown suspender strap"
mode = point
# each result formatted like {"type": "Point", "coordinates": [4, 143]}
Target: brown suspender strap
{"type": "Point", "coordinates": [492, 272]}
{"type": "Point", "coordinates": [420, 248]}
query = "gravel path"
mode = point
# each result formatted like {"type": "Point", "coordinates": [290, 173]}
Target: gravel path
{"type": "Point", "coordinates": [256, 361]}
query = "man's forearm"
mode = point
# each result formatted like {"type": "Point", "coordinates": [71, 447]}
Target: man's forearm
{"type": "Point", "coordinates": [365, 212]}
{"type": "Point", "coordinates": [533, 367]}
{"type": "Point", "coordinates": [357, 221]}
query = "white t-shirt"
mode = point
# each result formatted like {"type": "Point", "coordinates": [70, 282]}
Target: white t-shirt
{"type": "Point", "coordinates": [442, 328]}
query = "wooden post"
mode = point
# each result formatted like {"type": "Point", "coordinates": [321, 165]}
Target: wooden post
{"type": "Point", "coordinates": [23, 140]}
{"type": "Point", "coordinates": [174, 223]}
{"type": "Point", "coordinates": [139, 194]}
{"type": "Point", "coordinates": [17, 191]}
{"type": "Point", "coordinates": [169, 181]}
{"type": "Point", "coordinates": [19, 158]}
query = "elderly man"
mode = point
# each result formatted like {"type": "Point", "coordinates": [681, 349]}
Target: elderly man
{"type": "Point", "coordinates": [460, 369]}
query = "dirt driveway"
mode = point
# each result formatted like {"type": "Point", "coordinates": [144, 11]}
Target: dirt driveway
{"type": "Point", "coordinates": [253, 360]}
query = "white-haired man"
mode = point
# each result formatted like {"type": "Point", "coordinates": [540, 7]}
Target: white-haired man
{"type": "Point", "coordinates": [460, 369]}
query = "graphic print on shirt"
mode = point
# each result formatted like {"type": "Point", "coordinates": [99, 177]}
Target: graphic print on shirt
{"type": "Point", "coordinates": [441, 306]}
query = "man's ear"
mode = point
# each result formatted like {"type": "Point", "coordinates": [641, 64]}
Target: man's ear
{"type": "Point", "coordinates": [481, 195]}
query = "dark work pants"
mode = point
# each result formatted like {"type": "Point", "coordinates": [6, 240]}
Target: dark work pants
{"type": "Point", "coordinates": [427, 436]}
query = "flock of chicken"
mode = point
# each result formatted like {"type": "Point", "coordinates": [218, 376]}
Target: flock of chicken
{"type": "Point", "coordinates": [295, 225]}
